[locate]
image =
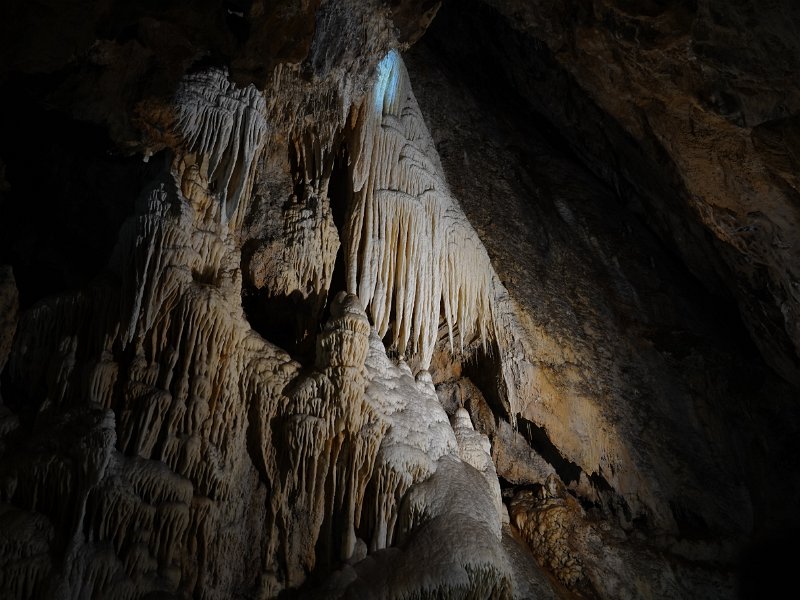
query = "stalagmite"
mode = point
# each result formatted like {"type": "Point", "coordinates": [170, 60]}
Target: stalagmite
{"type": "Point", "coordinates": [434, 522]}
{"type": "Point", "coordinates": [419, 435]}
{"type": "Point", "coordinates": [474, 449]}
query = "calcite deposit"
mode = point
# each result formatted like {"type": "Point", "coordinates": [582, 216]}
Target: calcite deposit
{"type": "Point", "coordinates": [364, 299]}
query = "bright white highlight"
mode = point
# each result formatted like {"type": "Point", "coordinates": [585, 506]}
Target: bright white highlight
{"type": "Point", "coordinates": [385, 94]}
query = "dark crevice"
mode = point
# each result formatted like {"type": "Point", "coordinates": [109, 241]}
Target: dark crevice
{"type": "Point", "coordinates": [587, 505]}
{"type": "Point", "coordinates": [340, 188]}
{"type": "Point", "coordinates": [483, 368]}
{"type": "Point", "coordinates": [508, 489]}
{"type": "Point", "coordinates": [600, 483]}
{"type": "Point", "coordinates": [67, 193]}
{"type": "Point", "coordinates": [288, 321]}
{"type": "Point", "coordinates": [297, 168]}
{"type": "Point", "coordinates": [767, 566]}
{"type": "Point", "coordinates": [340, 191]}
{"type": "Point", "coordinates": [124, 356]}
{"type": "Point", "coordinates": [236, 12]}
{"type": "Point", "coordinates": [25, 406]}
{"type": "Point", "coordinates": [690, 524]}
{"type": "Point", "coordinates": [291, 321]}
{"type": "Point", "coordinates": [538, 439]}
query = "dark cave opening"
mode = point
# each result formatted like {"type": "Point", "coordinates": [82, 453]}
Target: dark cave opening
{"type": "Point", "coordinates": [65, 191]}
{"type": "Point", "coordinates": [236, 12]}
{"type": "Point", "coordinates": [340, 188]}
{"type": "Point", "coordinates": [482, 367]}
{"type": "Point", "coordinates": [297, 168]}
{"type": "Point", "coordinates": [538, 439]}
{"type": "Point", "coordinates": [766, 565]}
{"type": "Point", "coordinates": [288, 321]}
{"type": "Point", "coordinates": [690, 524]}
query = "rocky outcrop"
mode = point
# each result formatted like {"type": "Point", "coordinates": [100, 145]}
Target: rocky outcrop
{"type": "Point", "coordinates": [681, 115]}
{"type": "Point", "coordinates": [588, 556]}
{"type": "Point", "coordinates": [623, 395]}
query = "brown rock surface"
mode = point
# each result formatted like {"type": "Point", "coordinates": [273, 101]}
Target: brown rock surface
{"type": "Point", "coordinates": [672, 104]}
{"type": "Point", "coordinates": [633, 387]}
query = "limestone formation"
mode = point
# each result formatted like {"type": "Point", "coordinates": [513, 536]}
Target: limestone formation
{"type": "Point", "coordinates": [194, 421]}
{"type": "Point", "coordinates": [569, 543]}
{"type": "Point", "coordinates": [298, 302]}
{"type": "Point", "coordinates": [411, 254]}
{"type": "Point", "coordinates": [227, 125]}
{"type": "Point", "coordinates": [409, 248]}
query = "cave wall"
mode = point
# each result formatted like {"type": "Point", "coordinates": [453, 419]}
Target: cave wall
{"type": "Point", "coordinates": [300, 302]}
{"type": "Point", "coordinates": [689, 120]}
{"type": "Point", "coordinates": [631, 350]}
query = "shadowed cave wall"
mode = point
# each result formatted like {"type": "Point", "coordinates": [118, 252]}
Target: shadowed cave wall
{"type": "Point", "coordinates": [409, 299]}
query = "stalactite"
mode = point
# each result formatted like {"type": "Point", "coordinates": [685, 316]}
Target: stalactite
{"type": "Point", "coordinates": [228, 125]}
{"type": "Point", "coordinates": [411, 253]}
{"type": "Point", "coordinates": [175, 359]}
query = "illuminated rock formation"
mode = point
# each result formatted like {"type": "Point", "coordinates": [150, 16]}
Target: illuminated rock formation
{"type": "Point", "coordinates": [298, 302]}
{"type": "Point", "coordinates": [409, 248]}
